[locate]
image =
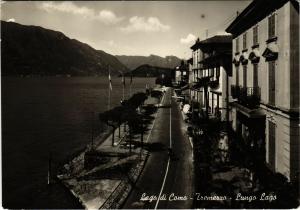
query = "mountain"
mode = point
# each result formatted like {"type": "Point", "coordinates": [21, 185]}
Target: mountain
{"type": "Point", "coordinates": [33, 50]}
{"type": "Point", "coordinates": [150, 71]}
{"type": "Point", "coordinates": [133, 62]}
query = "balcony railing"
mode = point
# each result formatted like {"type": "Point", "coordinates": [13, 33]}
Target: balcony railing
{"type": "Point", "coordinates": [234, 91]}
{"type": "Point", "coordinates": [247, 96]}
{"type": "Point", "coordinates": [214, 84]}
{"type": "Point", "coordinates": [203, 80]}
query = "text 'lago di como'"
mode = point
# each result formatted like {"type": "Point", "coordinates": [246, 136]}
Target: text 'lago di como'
{"type": "Point", "coordinates": [199, 196]}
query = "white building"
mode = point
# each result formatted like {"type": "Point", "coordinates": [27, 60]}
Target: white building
{"type": "Point", "coordinates": [266, 81]}
{"type": "Point", "coordinates": [211, 66]}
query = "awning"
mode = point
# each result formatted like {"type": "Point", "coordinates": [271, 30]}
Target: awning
{"type": "Point", "coordinates": [236, 60]}
{"type": "Point", "coordinates": [244, 58]}
{"type": "Point", "coordinates": [271, 52]}
{"type": "Point", "coordinates": [254, 56]}
{"type": "Point", "coordinates": [249, 113]}
{"type": "Point", "coordinates": [218, 92]}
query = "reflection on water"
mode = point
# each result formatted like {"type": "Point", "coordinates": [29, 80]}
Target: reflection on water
{"type": "Point", "coordinates": [42, 115]}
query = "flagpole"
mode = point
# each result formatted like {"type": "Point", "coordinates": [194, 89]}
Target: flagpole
{"type": "Point", "coordinates": [123, 81]}
{"type": "Point", "coordinates": [109, 88]}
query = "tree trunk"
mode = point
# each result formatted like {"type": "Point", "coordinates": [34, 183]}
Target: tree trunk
{"type": "Point", "coordinates": [142, 135]}
{"type": "Point", "coordinates": [119, 131]}
{"type": "Point", "coordinates": [113, 137]}
{"type": "Point", "coordinates": [130, 139]}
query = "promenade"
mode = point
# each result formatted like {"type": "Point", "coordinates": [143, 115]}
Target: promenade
{"type": "Point", "coordinates": [107, 184]}
{"type": "Point", "coordinates": [128, 179]}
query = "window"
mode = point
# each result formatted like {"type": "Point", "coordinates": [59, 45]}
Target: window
{"type": "Point", "coordinates": [272, 146]}
{"type": "Point", "coordinates": [255, 35]}
{"type": "Point", "coordinates": [245, 41]}
{"type": "Point", "coordinates": [217, 72]}
{"type": "Point", "coordinates": [237, 45]}
{"type": "Point", "coordinates": [255, 76]}
{"type": "Point", "coordinates": [271, 24]}
{"type": "Point", "coordinates": [272, 82]}
{"type": "Point", "coordinates": [237, 76]}
{"type": "Point", "coordinates": [198, 58]}
{"type": "Point", "coordinates": [245, 75]}
{"type": "Point", "coordinates": [194, 59]}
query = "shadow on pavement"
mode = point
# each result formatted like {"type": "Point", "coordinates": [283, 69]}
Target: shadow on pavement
{"type": "Point", "coordinates": [151, 147]}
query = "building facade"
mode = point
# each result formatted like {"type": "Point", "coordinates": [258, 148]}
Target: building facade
{"type": "Point", "coordinates": [196, 93]}
{"type": "Point", "coordinates": [265, 82]}
{"type": "Point", "coordinates": [182, 73]}
{"type": "Point", "coordinates": [211, 69]}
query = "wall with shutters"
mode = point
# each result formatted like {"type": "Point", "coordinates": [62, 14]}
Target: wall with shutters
{"type": "Point", "coordinates": [287, 148]}
{"type": "Point", "coordinates": [283, 67]}
{"type": "Point", "coordinates": [283, 79]}
{"type": "Point", "coordinates": [280, 142]}
{"type": "Point", "coordinates": [287, 156]}
{"type": "Point", "coordinates": [294, 148]}
{"type": "Point", "coordinates": [294, 61]}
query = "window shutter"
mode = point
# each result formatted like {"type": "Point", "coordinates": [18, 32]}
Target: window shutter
{"type": "Point", "coordinates": [237, 76]}
{"type": "Point", "coordinates": [272, 82]}
{"type": "Point", "coordinates": [245, 76]}
{"type": "Point", "coordinates": [218, 72]}
{"type": "Point", "coordinates": [237, 45]}
{"type": "Point", "coordinates": [255, 75]}
{"type": "Point", "coordinates": [255, 35]}
{"type": "Point", "coordinates": [269, 26]}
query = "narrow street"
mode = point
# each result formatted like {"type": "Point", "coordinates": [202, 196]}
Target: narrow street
{"type": "Point", "coordinates": [165, 176]}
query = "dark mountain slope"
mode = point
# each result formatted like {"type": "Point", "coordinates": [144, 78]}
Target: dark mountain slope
{"type": "Point", "coordinates": [150, 71]}
{"type": "Point", "coordinates": [132, 62]}
{"type": "Point", "coordinates": [33, 50]}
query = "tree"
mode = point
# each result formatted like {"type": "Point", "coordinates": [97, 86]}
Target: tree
{"type": "Point", "coordinates": [125, 113]}
{"type": "Point", "coordinates": [113, 119]}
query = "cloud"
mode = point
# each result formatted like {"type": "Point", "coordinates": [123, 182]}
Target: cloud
{"type": "Point", "coordinates": [222, 33]}
{"type": "Point", "coordinates": [111, 43]}
{"type": "Point", "coordinates": [152, 24]}
{"type": "Point", "coordinates": [109, 17]}
{"type": "Point", "coordinates": [11, 20]}
{"type": "Point", "coordinates": [190, 38]}
{"type": "Point", "coordinates": [105, 16]}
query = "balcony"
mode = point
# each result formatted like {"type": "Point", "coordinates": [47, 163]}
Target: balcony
{"type": "Point", "coordinates": [234, 91]}
{"type": "Point", "coordinates": [247, 96]}
{"type": "Point", "coordinates": [203, 80]}
{"type": "Point", "coordinates": [214, 84]}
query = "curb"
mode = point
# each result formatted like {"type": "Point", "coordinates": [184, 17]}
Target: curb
{"type": "Point", "coordinates": [115, 201]}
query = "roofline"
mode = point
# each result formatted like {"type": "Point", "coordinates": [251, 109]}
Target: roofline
{"type": "Point", "coordinates": [253, 13]}
{"type": "Point", "coordinates": [239, 17]}
{"type": "Point", "coordinates": [206, 41]}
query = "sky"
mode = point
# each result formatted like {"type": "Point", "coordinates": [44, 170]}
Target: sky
{"type": "Point", "coordinates": [129, 27]}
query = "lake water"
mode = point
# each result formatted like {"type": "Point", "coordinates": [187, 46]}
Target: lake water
{"type": "Point", "coordinates": [42, 115]}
